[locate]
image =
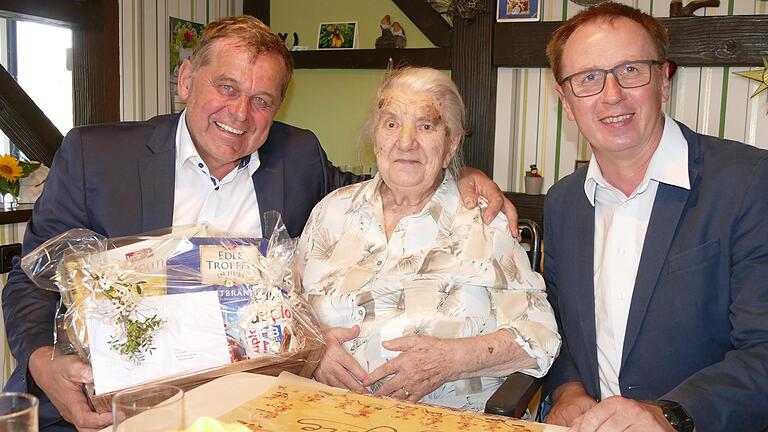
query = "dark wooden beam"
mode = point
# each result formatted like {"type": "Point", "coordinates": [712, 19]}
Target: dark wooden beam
{"type": "Point", "coordinates": [96, 67]}
{"type": "Point", "coordinates": [434, 27]}
{"type": "Point", "coordinates": [24, 123]}
{"type": "Point", "coordinates": [68, 13]}
{"type": "Point", "coordinates": [697, 41]}
{"type": "Point", "coordinates": [257, 8]}
{"type": "Point", "coordinates": [438, 58]}
{"type": "Point", "coordinates": [475, 76]}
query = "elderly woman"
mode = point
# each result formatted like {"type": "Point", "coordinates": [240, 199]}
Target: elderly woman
{"type": "Point", "coordinates": [419, 299]}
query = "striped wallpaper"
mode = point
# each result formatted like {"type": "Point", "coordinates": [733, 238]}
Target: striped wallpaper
{"type": "Point", "coordinates": [531, 126]}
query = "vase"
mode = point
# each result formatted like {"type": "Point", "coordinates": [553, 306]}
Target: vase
{"type": "Point", "coordinates": [10, 201]}
{"type": "Point", "coordinates": [533, 185]}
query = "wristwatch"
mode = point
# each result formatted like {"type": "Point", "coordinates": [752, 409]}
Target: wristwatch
{"type": "Point", "coordinates": [675, 415]}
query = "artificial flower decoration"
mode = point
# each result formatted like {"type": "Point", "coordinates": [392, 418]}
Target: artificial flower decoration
{"type": "Point", "coordinates": [760, 76]}
{"type": "Point", "coordinates": [11, 171]}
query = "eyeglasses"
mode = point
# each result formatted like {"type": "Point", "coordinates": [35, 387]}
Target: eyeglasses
{"type": "Point", "coordinates": [629, 75]}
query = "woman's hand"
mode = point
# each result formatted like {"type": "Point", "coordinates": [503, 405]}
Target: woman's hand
{"type": "Point", "coordinates": [424, 364]}
{"type": "Point", "coordinates": [337, 367]}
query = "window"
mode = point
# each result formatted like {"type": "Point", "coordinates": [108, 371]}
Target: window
{"type": "Point", "coordinates": [37, 56]}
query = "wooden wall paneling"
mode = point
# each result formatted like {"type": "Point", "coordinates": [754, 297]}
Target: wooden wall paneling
{"type": "Point", "coordinates": [434, 27]}
{"type": "Point", "coordinates": [24, 123]}
{"type": "Point", "coordinates": [475, 75]}
{"type": "Point", "coordinates": [96, 67]}
{"type": "Point", "coordinates": [696, 41]}
{"type": "Point", "coordinates": [257, 8]}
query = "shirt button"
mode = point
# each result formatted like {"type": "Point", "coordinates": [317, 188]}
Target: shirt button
{"type": "Point", "coordinates": [200, 165]}
{"type": "Point", "coordinates": [217, 188]}
{"type": "Point", "coordinates": [378, 262]}
{"type": "Point", "coordinates": [621, 250]}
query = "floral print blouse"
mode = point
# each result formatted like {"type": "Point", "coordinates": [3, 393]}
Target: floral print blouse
{"type": "Point", "coordinates": [443, 273]}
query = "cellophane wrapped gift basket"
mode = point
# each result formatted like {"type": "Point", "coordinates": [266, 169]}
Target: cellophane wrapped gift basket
{"type": "Point", "coordinates": [183, 306]}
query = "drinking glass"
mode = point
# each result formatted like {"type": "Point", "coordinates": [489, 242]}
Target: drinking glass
{"type": "Point", "coordinates": [148, 408]}
{"type": "Point", "coordinates": [18, 412]}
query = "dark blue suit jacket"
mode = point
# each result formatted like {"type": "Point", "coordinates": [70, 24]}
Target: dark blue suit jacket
{"type": "Point", "coordinates": [697, 331]}
{"type": "Point", "coordinates": [118, 179]}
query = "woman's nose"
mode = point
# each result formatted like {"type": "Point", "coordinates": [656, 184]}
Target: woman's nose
{"type": "Point", "coordinates": [407, 138]}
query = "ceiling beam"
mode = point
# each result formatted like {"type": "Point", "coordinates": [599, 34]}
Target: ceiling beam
{"type": "Point", "coordinates": [431, 23]}
{"type": "Point", "coordinates": [257, 8]}
{"type": "Point", "coordinates": [67, 13]}
{"type": "Point", "coordinates": [737, 40]}
{"type": "Point", "coordinates": [24, 123]}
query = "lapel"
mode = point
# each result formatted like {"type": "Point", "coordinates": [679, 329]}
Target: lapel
{"type": "Point", "coordinates": [269, 183]}
{"type": "Point", "coordinates": [582, 218]}
{"type": "Point", "coordinates": [157, 186]}
{"type": "Point", "coordinates": [665, 216]}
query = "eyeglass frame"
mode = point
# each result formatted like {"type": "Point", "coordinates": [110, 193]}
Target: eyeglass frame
{"type": "Point", "coordinates": [611, 71]}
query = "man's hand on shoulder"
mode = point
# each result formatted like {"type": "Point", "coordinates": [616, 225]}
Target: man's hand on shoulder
{"type": "Point", "coordinates": [473, 183]}
{"type": "Point", "coordinates": [621, 414]}
{"type": "Point", "coordinates": [571, 401]}
{"type": "Point", "coordinates": [61, 379]}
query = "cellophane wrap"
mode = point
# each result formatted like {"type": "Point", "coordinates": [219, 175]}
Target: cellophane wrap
{"type": "Point", "coordinates": [172, 302]}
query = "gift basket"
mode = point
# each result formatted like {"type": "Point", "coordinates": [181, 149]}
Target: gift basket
{"type": "Point", "coordinates": [182, 306]}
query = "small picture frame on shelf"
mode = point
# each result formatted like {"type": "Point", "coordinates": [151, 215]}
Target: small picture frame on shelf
{"type": "Point", "coordinates": [517, 10]}
{"type": "Point", "coordinates": [580, 163]}
{"type": "Point", "coordinates": [337, 35]}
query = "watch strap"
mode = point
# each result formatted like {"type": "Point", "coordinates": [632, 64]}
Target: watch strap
{"type": "Point", "coordinates": [676, 415]}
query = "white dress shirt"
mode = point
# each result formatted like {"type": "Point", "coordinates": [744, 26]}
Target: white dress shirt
{"type": "Point", "coordinates": [621, 223]}
{"type": "Point", "coordinates": [228, 205]}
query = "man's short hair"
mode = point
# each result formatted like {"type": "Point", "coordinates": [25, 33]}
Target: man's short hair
{"type": "Point", "coordinates": [607, 12]}
{"type": "Point", "coordinates": [250, 33]}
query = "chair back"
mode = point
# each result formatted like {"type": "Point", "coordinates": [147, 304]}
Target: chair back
{"type": "Point", "coordinates": [531, 234]}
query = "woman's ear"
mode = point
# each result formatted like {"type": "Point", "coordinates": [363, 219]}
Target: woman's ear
{"type": "Point", "coordinates": [453, 147]}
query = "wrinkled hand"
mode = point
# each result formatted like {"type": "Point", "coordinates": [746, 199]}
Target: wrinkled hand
{"type": "Point", "coordinates": [473, 183]}
{"type": "Point", "coordinates": [337, 367]}
{"type": "Point", "coordinates": [571, 401]}
{"type": "Point", "coordinates": [621, 414]}
{"type": "Point", "coordinates": [61, 379]}
{"type": "Point", "coordinates": [423, 365]}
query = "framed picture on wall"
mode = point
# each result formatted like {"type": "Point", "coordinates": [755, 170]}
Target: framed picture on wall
{"type": "Point", "coordinates": [517, 10]}
{"type": "Point", "coordinates": [337, 35]}
{"type": "Point", "coordinates": [580, 163]}
{"type": "Point", "coordinates": [183, 38]}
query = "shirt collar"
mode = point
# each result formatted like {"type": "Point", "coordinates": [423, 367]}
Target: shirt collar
{"type": "Point", "coordinates": [186, 151]}
{"type": "Point", "coordinates": [669, 163]}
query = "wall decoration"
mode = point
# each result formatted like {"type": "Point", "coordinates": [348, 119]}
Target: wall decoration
{"type": "Point", "coordinates": [392, 34]}
{"type": "Point", "coordinates": [183, 39]}
{"type": "Point", "coordinates": [760, 76]}
{"type": "Point", "coordinates": [337, 35]}
{"type": "Point", "coordinates": [517, 10]}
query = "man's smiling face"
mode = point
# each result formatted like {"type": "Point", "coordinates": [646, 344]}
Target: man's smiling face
{"type": "Point", "coordinates": [231, 102]}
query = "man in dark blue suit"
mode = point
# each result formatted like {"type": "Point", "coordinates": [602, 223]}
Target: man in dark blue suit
{"type": "Point", "coordinates": [657, 253]}
{"type": "Point", "coordinates": [223, 161]}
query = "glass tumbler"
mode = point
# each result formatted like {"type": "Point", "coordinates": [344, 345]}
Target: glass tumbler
{"type": "Point", "coordinates": [18, 412]}
{"type": "Point", "coordinates": [148, 408]}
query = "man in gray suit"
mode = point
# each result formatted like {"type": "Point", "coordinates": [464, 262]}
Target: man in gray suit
{"type": "Point", "coordinates": [223, 161]}
{"type": "Point", "coordinates": [656, 254]}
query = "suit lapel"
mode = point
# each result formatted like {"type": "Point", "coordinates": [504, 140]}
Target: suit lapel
{"type": "Point", "coordinates": [157, 186]}
{"type": "Point", "coordinates": [583, 219]}
{"type": "Point", "coordinates": [667, 209]}
{"type": "Point", "coordinates": [269, 183]}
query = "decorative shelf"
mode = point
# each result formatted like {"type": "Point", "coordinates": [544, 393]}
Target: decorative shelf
{"type": "Point", "coordinates": [738, 40]}
{"type": "Point", "coordinates": [20, 214]}
{"type": "Point", "coordinates": [438, 58]}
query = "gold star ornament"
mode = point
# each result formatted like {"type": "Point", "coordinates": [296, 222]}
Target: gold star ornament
{"type": "Point", "coordinates": [760, 76]}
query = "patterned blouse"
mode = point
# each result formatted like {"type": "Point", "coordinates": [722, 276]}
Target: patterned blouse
{"type": "Point", "coordinates": [443, 273]}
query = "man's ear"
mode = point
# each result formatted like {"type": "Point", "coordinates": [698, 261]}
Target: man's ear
{"type": "Point", "coordinates": [665, 81]}
{"type": "Point", "coordinates": [184, 83]}
{"type": "Point", "coordinates": [564, 100]}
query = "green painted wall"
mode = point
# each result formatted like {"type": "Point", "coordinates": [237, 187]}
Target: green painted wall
{"type": "Point", "coordinates": [334, 103]}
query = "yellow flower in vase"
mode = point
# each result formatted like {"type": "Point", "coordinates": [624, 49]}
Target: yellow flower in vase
{"type": "Point", "coordinates": [10, 169]}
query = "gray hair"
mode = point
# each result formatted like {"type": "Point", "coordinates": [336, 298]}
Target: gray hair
{"type": "Point", "coordinates": [437, 84]}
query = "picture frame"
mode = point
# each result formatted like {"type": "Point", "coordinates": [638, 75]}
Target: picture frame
{"type": "Point", "coordinates": [580, 163]}
{"type": "Point", "coordinates": [337, 35]}
{"type": "Point", "coordinates": [518, 10]}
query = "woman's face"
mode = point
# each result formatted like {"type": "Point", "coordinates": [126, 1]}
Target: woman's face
{"type": "Point", "coordinates": [411, 142]}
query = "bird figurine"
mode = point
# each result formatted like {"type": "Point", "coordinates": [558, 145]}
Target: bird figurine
{"type": "Point", "coordinates": [399, 34]}
{"type": "Point", "coordinates": [386, 40]}
{"type": "Point", "coordinates": [386, 22]}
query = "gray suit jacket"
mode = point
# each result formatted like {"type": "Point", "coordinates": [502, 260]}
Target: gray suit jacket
{"type": "Point", "coordinates": [697, 331]}
{"type": "Point", "coordinates": [117, 180]}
